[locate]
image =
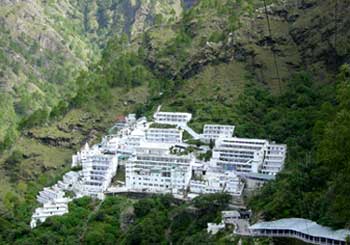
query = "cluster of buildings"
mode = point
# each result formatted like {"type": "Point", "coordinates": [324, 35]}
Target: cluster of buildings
{"type": "Point", "coordinates": [146, 149]}
{"type": "Point", "coordinates": [54, 200]}
{"type": "Point", "coordinates": [94, 172]}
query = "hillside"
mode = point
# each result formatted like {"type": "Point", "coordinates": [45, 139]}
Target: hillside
{"type": "Point", "coordinates": [219, 61]}
{"type": "Point", "coordinates": [45, 44]}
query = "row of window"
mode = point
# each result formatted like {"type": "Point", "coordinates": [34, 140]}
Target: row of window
{"type": "Point", "coordinates": [147, 184]}
{"type": "Point", "coordinates": [164, 159]}
{"type": "Point", "coordinates": [235, 146]}
{"type": "Point", "coordinates": [245, 142]}
{"type": "Point", "coordinates": [301, 235]}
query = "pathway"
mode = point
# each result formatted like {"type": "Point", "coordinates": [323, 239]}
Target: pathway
{"type": "Point", "coordinates": [190, 131]}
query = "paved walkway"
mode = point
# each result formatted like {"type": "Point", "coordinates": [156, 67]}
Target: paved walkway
{"type": "Point", "coordinates": [241, 227]}
{"type": "Point", "coordinates": [190, 131]}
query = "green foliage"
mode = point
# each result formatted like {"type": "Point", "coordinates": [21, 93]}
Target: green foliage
{"type": "Point", "coordinates": [12, 164]}
{"type": "Point", "coordinates": [206, 156]}
{"type": "Point", "coordinates": [155, 220]}
{"type": "Point", "coordinates": [315, 183]}
{"type": "Point", "coordinates": [38, 118]}
{"type": "Point", "coordinates": [216, 37]}
{"type": "Point", "coordinates": [60, 109]}
{"type": "Point", "coordinates": [9, 139]}
{"type": "Point", "coordinates": [117, 68]}
{"type": "Point", "coordinates": [57, 230]}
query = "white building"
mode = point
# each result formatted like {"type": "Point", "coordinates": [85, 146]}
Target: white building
{"type": "Point", "coordinates": [154, 169]}
{"type": "Point", "coordinates": [214, 228]}
{"type": "Point", "coordinates": [302, 229]}
{"type": "Point", "coordinates": [215, 131]}
{"type": "Point", "coordinates": [249, 155]}
{"type": "Point", "coordinates": [136, 138]}
{"type": "Point", "coordinates": [131, 119]}
{"type": "Point", "coordinates": [215, 180]}
{"type": "Point", "coordinates": [98, 171]}
{"type": "Point", "coordinates": [69, 180]}
{"type": "Point", "coordinates": [110, 143]}
{"type": "Point", "coordinates": [164, 135]}
{"type": "Point", "coordinates": [230, 217]}
{"type": "Point", "coordinates": [275, 155]}
{"type": "Point", "coordinates": [52, 208]}
{"type": "Point", "coordinates": [174, 118]}
{"type": "Point", "coordinates": [49, 194]}
{"type": "Point", "coordinates": [85, 152]}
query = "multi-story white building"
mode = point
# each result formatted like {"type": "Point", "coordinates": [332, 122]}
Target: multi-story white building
{"type": "Point", "coordinates": [154, 169]}
{"type": "Point", "coordinates": [215, 180]}
{"type": "Point", "coordinates": [249, 155]}
{"type": "Point", "coordinates": [164, 135]}
{"type": "Point", "coordinates": [136, 138]}
{"type": "Point", "coordinates": [49, 194]}
{"type": "Point", "coordinates": [85, 152]}
{"type": "Point", "coordinates": [174, 118]}
{"type": "Point", "coordinates": [215, 131]}
{"type": "Point", "coordinates": [69, 180]}
{"type": "Point", "coordinates": [110, 143]}
{"type": "Point", "coordinates": [275, 155]}
{"type": "Point", "coordinates": [98, 171]}
{"type": "Point", "coordinates": [52, 208]}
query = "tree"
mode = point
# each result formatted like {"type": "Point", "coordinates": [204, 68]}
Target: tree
{"type": "Point", "coordinates": [60, 109]}
{"type": "Point", "coordinates": [10, 137]}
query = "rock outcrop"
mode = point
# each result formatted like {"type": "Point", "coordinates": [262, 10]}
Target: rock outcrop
{"type": "Point", "coordinates": [305, 35]}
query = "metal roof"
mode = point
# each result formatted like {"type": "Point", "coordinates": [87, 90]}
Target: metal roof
{"type": "Point", "coordinates": [304, 226]}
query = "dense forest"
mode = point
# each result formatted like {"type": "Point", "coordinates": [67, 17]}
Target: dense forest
{"type": "Point", "coordinates": [315, 183]}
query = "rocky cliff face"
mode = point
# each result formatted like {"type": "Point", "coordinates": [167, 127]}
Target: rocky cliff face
{"type": "Point", "coordinates": [44, 44]}
{"type": "Point", "coordinates": [40, 52]}
{"type": "Point", "coordinates": [131, 17]}
{"type": "Point", "coordinates": [305, 35]}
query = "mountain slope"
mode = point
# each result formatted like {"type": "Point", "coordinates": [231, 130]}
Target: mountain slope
{"type": "Point", "coordinates": [266, 101]}
{"type": "Point", "coordinates": [45, 44]}
{"type": "Point", "coordinates": [217, 62]}
{"type": "Point", "coordinates": [42, 49]}
{"type": "Point", "coordinates": [302, 38]}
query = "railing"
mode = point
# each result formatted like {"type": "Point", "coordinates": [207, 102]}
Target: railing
{"type": "Point", "coordinates": [300, 236]}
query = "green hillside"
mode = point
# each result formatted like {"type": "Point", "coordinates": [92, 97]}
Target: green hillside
{"type": "Point", "coordinates": [217, 60]}
{"type": "Point", "coordinates": [45, 44]}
